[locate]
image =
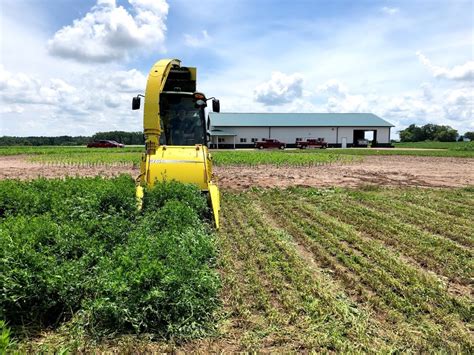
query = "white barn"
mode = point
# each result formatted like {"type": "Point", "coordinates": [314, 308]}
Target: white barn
{"type": "Point", "coordinates": [242, 130]}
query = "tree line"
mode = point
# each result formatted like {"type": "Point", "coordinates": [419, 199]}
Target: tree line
{"type": "Point", "coordinates": [412, 133]}
{"type": "Point", "coordinates": [432, 132]}
{"type": "Point", "coordinates": [128, 138]}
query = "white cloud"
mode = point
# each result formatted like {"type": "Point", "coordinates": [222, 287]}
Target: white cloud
{"type": "Point", "coordinates": [201, 40]}
{"type": "Point", "coordinates": [90, 102]}
{"type": "Point", "coordinates": [427, 89]}
{"type": "Point", "coordinates": [459, 104]}
{"type": "Point", "coordinates": [339, 99]}
{"type": "Point", "coordinates": [45, 95]}
{"type": "Point", "coordinates": [20, 88]}
{"type": "Point", "coordinates": [333, 87]}
{"type": "Point", "coordinates": [390, 10]}
{"type": "Point", "coordinates": [451, 107]}
{"type": "Point", "coordinates": [349, 103]}
{"type": "Point", "coordinates": [280, 89]}
{"type": "Point", "coordinates": [11, 109]}
{"type": "Point", "coordinates": [458, 72]}
{"type": "Point", "coordinates": [112, 101]}
{"type": "Point", "coordinates": [427, 105]}
{"type": "Point", "coordinates": [373, 54]}
{"type": "Point", "coordinates": [109, 32]}
{"type": "Point", "coordinates": [125, 81]}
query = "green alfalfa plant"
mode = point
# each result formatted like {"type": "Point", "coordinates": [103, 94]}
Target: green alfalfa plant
{"type": "Point", "coordinates": [6, 343]}
{"type": "Point", "coordinates": [80, 246]}
{"type": "Point", "coordinates": [162, 192]}
{"type": "Point", "coordinates": [162, 280]}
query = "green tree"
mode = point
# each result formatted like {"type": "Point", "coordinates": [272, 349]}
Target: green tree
{"type": "Point", "coordinates": [445, 134]}
{"type": "Point", "coordinates": [41, 141]}
{"type": "Point", "coordinates": [121, 137]}
{"type": "Point", "coordinates": [430, 132]}
{"type": "Point", "coordinates": [469, 135]}
{"type": "Point", "coordinates": [412, 133]}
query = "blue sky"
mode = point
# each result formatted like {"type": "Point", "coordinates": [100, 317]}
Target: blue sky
{"type": "Point", "coordinates": [71, 67]}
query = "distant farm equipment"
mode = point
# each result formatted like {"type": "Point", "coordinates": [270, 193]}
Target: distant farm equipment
{"type": "Point", "coordinates": [364, 143]}
{"type": "Point", "coordinates": [312, 143]}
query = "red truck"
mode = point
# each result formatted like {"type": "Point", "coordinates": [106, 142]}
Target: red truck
{"type": "Point", "coordinates": [105, 144]}
{"type": "Point", "coordinates": [312, 143]}
{"type": "Point", "coordinates": [270, 143]}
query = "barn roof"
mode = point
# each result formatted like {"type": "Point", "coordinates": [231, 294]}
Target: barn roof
{"type": "Point", "coordinates": [230, 119]}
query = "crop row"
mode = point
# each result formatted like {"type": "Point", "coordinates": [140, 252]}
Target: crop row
{"type": "Point", "coordinates": [344, 250]}
{"type": "Point", "coordinates": [456, 153]}
{"type": "Point", "coordinates": [61, 150]}
{"type": "Point", "coordinates": [246, 157]}
{"type": "Point", "coordinates": [437, 145]}
{"type": "Point", "coordinates": [87, 159]}
{"type": "Point", "coordinates": [436, 253]}
{"type": "Point", "coordinates": [273, 297]}
{"type": "Point", "coordinates": [249, 158]}
{"type": "Point", "coordinates": [131, 155]}
{"type": "Point", "coordinates": [278, 158]}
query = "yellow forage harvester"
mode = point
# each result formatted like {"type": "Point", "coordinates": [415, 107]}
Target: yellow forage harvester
{"type": "Point", "coordinates": [176, 131]}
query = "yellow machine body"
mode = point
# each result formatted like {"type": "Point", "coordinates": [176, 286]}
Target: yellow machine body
{"type": "Point", "coordinates": [188, 164]}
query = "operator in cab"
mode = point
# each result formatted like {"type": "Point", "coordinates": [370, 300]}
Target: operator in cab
{"type": "Point", "coordinates": [182, 122]}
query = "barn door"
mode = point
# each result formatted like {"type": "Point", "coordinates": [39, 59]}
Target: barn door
{"type": "Point", "coordinates": [344, 142]}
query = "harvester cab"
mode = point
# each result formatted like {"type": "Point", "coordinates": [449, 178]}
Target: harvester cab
{"type": "Point", "coordinates": [176, 131]}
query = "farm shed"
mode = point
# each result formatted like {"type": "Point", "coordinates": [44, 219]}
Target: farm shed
{"type": "Point", "coordinates": [242, 130]}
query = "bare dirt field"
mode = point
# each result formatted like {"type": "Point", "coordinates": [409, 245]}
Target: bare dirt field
{"type": "Point", "coordinates": [372, 170]}
{"type": "Point", "coordinates": [18, 167]}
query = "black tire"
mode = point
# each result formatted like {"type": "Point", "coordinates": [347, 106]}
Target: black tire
{"type": "Point", "coordinates": [260, 147]}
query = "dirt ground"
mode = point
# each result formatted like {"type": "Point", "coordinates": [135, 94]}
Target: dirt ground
{"type": "Point", "coordinates": [372, 170]}
{"type": "Point", "coordinates": [18, 167]}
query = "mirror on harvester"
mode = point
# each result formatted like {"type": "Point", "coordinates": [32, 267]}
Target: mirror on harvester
{"type": "Point", "coordinates": [136, 103]}
{"type": "Point", "coordinates": [216, 106]}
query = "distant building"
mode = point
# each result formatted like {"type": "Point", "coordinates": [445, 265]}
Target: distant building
{"type": "Point", "coordinates": [242, 130]}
